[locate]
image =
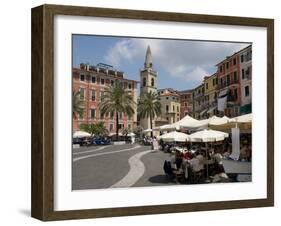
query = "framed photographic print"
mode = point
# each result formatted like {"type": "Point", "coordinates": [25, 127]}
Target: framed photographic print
{"type": "Point", "coordinates": [141, 112]}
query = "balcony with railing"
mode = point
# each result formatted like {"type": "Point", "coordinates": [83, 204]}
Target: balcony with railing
{"type": "Point", "coordinates": [228, 83]}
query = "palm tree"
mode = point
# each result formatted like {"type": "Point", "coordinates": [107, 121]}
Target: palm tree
{"type": "Point", "coordinates": [77, 104]}
{"type": "Point", "coordinates": [117, 100]}
{"type": "Point", "coordinates": [97, 129]}
{"type": "Point", "coordinates": [149, 106]}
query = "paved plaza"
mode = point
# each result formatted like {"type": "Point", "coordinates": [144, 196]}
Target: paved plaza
{"type": "Point", "coordinates": [118, 166]}
{"type": "Point", "coordinates": [129, 165]}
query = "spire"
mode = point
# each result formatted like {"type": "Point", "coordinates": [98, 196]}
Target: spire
{"type": "Point", "coordinates": [148, 58]}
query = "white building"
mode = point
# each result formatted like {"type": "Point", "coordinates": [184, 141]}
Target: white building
{"type": "Point", "coordinates": [148, 83]}
{"type": "Point", "coordinates": [246, 80]}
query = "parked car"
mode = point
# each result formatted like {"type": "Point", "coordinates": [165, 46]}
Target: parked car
{"type": "Point", "coordinates": [81, 141]}
{"type": "Point", "coordinates": [101, 141]}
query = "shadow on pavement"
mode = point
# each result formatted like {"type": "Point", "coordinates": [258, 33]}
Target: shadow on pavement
{"type": "Point", "coordinates": [161, 179]}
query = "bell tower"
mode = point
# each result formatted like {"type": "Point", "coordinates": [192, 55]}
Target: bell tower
{"type": "Point", "coordinates": [148, 83]}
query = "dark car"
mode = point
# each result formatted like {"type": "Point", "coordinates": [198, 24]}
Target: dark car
{"type": "Point", "coordinates": [101, 141]}
{"type": "Point", "coordinates": [81, 141]}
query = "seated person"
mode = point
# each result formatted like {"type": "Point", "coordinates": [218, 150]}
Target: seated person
{"type": "Point", "coordinates": [176, 160]}
{"type": "Point", "coordinates": [218, 165]}
{"type": "Point", "coordinates": [201, 159]}
{"type": "Point", "coordinates": [187, 155]}
{"type": "Point", "coordinates": [243, 153]}
{"type": "Point", "coordinates": [168, 168]}
{"type": "Point", "coordinates": [195, 164]}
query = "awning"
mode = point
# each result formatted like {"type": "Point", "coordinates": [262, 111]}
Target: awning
{"type": "Point", "coordinates": [246, 109]}
{"type": "Point", "coordinates": [222, 103]}
{"type": "Point", "coordinates": [223, 93]}
{"type": "Point", "coordinates": [212, 109]}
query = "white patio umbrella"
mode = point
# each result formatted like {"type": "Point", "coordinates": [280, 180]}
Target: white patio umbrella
{"type": "Point", "coordinates": [131, 134]}
{"type": "Point", "coordinates": [215, 121]}
{"type": "Point", "coordinates": [81, 134]}
{"type": "Point", "coordinates": [244, 122]}
{"type": "Point", "coordinates": [147, 130]}
{"type": "Point", "coordinates": [208, 136]}
{"type": "Point", "coordinates": [242, 118]}
{"type": "Point", "coordinates": [186, 122]}
{"type": "Point", "coordinates": [175, 137]}
{"type": "Point", "coordinates": [114, 134]}
{"type": "Point", "coordinates": [167, 127]}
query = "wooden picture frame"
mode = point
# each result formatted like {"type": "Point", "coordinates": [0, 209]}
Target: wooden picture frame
{"type": "Point", "coordinates": [43, 107]}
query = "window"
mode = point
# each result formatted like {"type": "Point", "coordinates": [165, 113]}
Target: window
{"type": "Point", "coordinates": [81, 114]}
{"type": "Point", "coordinates": [227, 65]}
{"type": "Point", "coordinates": [221, 68]}
{"type": "Point", "coordinates": [129, 126]}
{"type": "Point", "coordinates": [167, 108]}
{"type": "Point", "coordinates": [112, 82]}
{"type": "Point", "coordinates": [129, 85]}
{"type": "Point", "coordinates": [221, 81]}
{"type": "Point", "coordinates": [110, 127]}
{"type": "Point", "coordinates": [228, 79]}
{"type": "Point", "coordinates": [120, 115]}
{"type": "Point", "coordinates": [101, 115]}
{"type": "Point", "coordinates": [235, 94]}
{"type": "Point", "coordinates": [93, 79]}
{"type": "Point", "coordinates": [235, 76]}
{"type": "Point", "coordinates": [206, 85]}
{"type": "Point", "coordinates": [214, 82]}
{"type": "Point", "coordinates": [178, 109]}
{"type": "Point", "coordinates": [152, 82]}
{"type": "Point", "coordinates": [144, 82]}
{"type": "Point", "coordinates": [102, 81]}
{"type": "Point", "coordinates": [82, 77]}
{"type": "Point", "coordinates": [93, 95]}
{"type": "Point", "coordinates": [82, 93]}
{"type": "Point", "coordinates": [242, 58]}
{"type": "Point", "coordinates": [173, 108]}
{"type": "Point", "coordinates": [93, 113]}
{"type": "Point", "coordinates": [167, 98]}
{"type": "Point", "coordinates": [243, 74]}
{"type": "Point", "coordinates": [247, 91]}
{"type": "Point", "coordinates": [248, 72]}
{"type": "Point", "coordinates": [234, 61]}
{"type": "Point", "coordinates": [120, 126]}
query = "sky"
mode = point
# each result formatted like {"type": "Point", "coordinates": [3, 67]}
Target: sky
{"type": "Point", "coordinates": [180, 64]}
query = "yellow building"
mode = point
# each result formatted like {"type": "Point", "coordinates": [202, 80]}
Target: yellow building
{"type": "Point", "coordinates": [198, 101]}
{"type": "Point", "coordinates": [210, 96]}
{"type": "Point", "coordinates": [170, 103]}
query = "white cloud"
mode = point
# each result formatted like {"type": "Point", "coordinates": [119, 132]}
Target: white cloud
{"type": "Point", "coordinates": [188, 60]}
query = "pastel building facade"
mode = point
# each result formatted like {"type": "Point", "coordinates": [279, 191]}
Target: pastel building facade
{"type": "Point", "coordinates": [210, 96]}
{"type": "Point", "coordinates": [246, 80]}
{"type": "Point", "coordinates": [91, 82]}
{"type": "Point", "coordinates": [199, 101]}
{"type": "Point", "coordinates": [229, 86]}
{"type": "Point", "coordinates": [170, 106]}
{"type": "Point", "coordinates": [186, 103]}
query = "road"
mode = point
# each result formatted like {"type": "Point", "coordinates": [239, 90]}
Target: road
{"type": "Point", "coordinates": [125, 165]}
